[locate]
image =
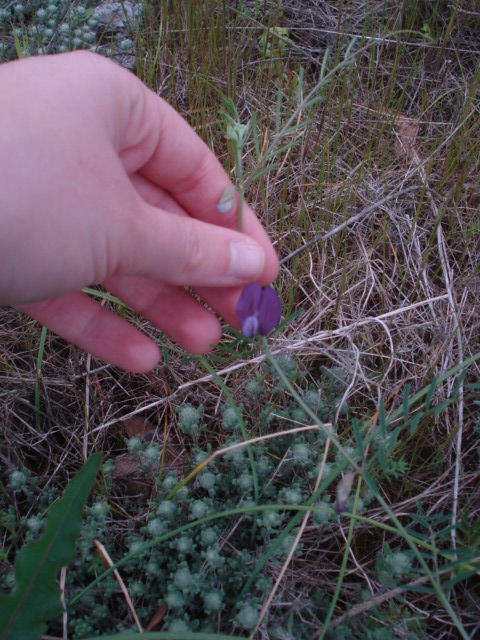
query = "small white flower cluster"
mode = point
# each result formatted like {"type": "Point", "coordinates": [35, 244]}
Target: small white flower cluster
{"type": "Point", "coordinates": [230, 420]}
{"type": "Point", "coordinates": [398, 563]}
{"type": "Point", "coordinates": [189, 418]}
{"type": "Point", "coordinates": [18, 480]}
{"type": "Point", "coordinates": [247, 617]}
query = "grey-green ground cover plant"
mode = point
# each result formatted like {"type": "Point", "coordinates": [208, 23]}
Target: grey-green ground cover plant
{"type": "Point", "coordinates": [39, 27]}
{"type": "Point", "coordinates": [324, 483]}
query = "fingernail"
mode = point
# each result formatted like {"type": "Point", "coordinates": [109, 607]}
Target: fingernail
{"type": "Point", "coordinates": [247, 261]}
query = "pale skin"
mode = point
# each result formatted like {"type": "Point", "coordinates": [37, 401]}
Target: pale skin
{"type": "Point", "coordinates": [101, 182]}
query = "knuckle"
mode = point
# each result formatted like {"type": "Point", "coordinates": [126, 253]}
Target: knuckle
{"type": "Point", "coordinates": [196, 175]}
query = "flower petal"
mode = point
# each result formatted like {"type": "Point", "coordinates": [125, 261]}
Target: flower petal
{"type": "Point", "coordinates": [250, 327]}
{"type": "Point", "coordinates": [269, 311]}
{"type": "Point", "coordinates": [248, 302]}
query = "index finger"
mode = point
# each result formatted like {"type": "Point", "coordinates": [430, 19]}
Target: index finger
{"type": "Point", "coordinates": [159, 144]}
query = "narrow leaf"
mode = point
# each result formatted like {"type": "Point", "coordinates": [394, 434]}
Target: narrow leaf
{"type": "Point", "coordinates": [440, 408]}
{"type": "Point", "coordinates": [41, 348]}
{"type": "Point", "coordinates": [260, 172]}
{"type": "Point", "coordinates": [36, 597]}
{"type": "Point", "coordinates": [313, 101]}
{"type": "Point", "coordinates": [430, 392]}
{"type": "Point", "coordinates": [169, 635]}
{"type": "Point", "coordinates": [381, 458]}
{"type": "Point", "coordinates": [370, 482]}
{"type": "Point", "coordinates": [300, 87]}
{"type": "Point", "coordinates": [255, 136]}
{"type": "Point", "coordinates": [405, 403]}
{"type": "Point", "coordinates": [358, 438]}
{"type": "Point", "coordinates": [415, 420]}
{"type": "Point", "coordinates": [278, 111]}
{"type": "Point", "coordinates": [350, 47]}
{"type": "Point", "coordinates": [18, 46]}
{"type": "Point", "coordinates": [382, 421]}
{"type": "Point", "coordinates": [420, 589]}
{"type": "Point", "coordinates": [324, 64]}
{"type": "Point", "coordinates": [281, 150]}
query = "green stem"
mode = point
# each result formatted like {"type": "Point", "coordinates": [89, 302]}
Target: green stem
{"type": "Point", "coordinates": [237, 152]}
{"type": "Point", "coordinates": [343, 566]}
{"type": "Point", "coordinates": [241, 194]}
{"type": "Point", "coordinates": [239, 416]}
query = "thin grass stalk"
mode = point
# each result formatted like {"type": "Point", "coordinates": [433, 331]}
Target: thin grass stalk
{"type": "Point", "coordinates": [343, 567]}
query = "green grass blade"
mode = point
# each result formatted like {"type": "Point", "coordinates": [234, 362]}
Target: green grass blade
{"type": "Point", "coordinates": [406, 395]}
{"type": "Point", "coordinates": [430, 392]}
{"type": "Point", "coordinates": [255, 136]}
{"type": "Point", "coordinates": [36, 597]}
{"type": "Point", "coordinates": [324, 63]}
{"type": "Point", "coordinates": [41, 349]}
{"type": "Point", "coordinates": [169, 635]}
{"type": "Point", "coordinates": [415, 420]}
{"type": "Point", "coordinates": [278, 112]}
{"type": "Point", "coordinates": [358, 438]}
{"type": "Point", "coordinates": [18, 46]}
{"type": "Point", "coordinates": [382, 420]}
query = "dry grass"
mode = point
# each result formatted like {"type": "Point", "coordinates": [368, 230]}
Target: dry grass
{"type": "Point", "coordinates": [385, 178]}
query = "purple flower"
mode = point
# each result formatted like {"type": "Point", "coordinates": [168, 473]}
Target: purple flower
{"type": "Point", "coordinates": [258, 310]}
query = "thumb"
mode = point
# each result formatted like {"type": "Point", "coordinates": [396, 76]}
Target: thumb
{"type": "Point", "coordinates": [183, 251]}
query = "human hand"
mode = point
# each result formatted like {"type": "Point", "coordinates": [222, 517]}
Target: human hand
{"type": "Point", "coordinates": [104, 183]}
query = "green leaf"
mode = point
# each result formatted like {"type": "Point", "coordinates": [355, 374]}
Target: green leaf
{"type": "Point", "coordinates": [168, 635]}
{"type": "Point", "coordinates": [358, 438]}
{"type": "Point", "coordinates": [381, 458]}
{"type": "Point", "coordinates": [300, 87]}
{"type": "Point", "coordinates": [415, 420]}
{"type": "Point", "coordinates": [18, 45]}
{"type": "Point", "coordinates": [430, 392]}
{"type": "Point", "coordinates": [405, 403]}
{"type": "Point", "coordinates": [36, 597]}
{"type": "Point", "coordinates": [324, 64]}
{"type": "Point", "coordinates": [255, 135]}
{"type": "Point", "coordinates": [382, 420]}
{"type": "Point", "coordinates": [266, 169]}
{"type": "Point", "coordinates": [369, 481]}
{"type": "Point", "coordinates": [278, 111]}
{"type": "Point", "coordinates": [41, 348]}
